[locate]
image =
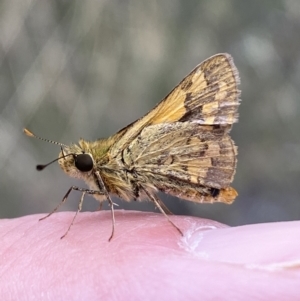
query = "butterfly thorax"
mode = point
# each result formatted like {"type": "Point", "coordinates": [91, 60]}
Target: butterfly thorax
{"type": "Point", "coordinates": [117, 177]}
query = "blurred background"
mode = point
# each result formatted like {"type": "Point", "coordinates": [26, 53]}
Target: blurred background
{"type": "Point", "coordinates": [72, 69]}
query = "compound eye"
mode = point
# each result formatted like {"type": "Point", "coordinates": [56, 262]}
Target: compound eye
{"type": "Point", "coordinates": [84, 162]}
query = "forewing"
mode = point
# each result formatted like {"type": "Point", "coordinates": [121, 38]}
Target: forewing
{"type": "Point", "coordinates": [207, 96]}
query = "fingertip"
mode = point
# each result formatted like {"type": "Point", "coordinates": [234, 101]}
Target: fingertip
{"type": "Point", "coordinates": [210, 258]}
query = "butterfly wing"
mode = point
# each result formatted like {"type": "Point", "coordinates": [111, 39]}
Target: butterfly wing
{"type": "Point", "coordinates": [209, 95]}
{"type": "Point", "coordinates": [182, 146]}
{"type": "Point", "coordinates": [188, 160]}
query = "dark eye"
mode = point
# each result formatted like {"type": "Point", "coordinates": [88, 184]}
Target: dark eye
{"type": "Point", "coordinates": [84, 162]}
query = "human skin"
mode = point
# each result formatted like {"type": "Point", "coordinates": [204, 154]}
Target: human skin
{"type": "Point", "coordinates": [147, 259]}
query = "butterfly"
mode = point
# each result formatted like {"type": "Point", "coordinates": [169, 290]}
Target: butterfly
{"type": "Point", "coordinates": [181, 147]}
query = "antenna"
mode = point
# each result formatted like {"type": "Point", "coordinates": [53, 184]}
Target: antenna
{"type": "Point", "coordinates": [30, 134]}
{"type": "Point", "coordinates": [40, 166]}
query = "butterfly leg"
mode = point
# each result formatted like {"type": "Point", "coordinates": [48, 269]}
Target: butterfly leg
{"type": "Point", "coordinates": [84, 191]}
{"type": "Point", "coordinates": [111, 203]}
{"type": "Point", "coordinates": [78, 210]}
{"type": "Point", "coordinates": [158, 203]}
{"type": "Point", "coordinates": [66, 196]}
{"type": "Point", "coordinates": [164, 207]}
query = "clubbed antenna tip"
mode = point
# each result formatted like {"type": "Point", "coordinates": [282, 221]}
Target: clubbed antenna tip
{"type": "Point", "coordinates": [28, 133]}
